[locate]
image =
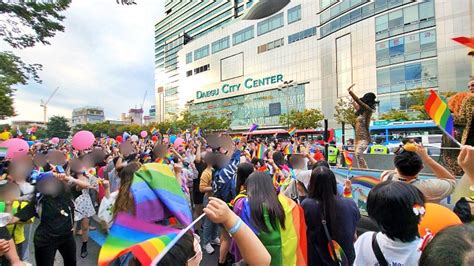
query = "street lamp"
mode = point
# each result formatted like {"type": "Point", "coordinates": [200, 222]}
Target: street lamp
{"type": "Point", "coordinates": [287, 85]}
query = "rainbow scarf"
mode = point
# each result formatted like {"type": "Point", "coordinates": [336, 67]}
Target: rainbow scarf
{"type": "Point", "coordinates": [158, 194]}
{"type": "Point", "coordinates": [289, 149]}
{"type": "Point", "coordinates": [129, 234]}
{"type": "Point", "coordinates": [438, 110]}
{"type": "Point", "coordinates": [366, 181]}
{"type": "Point", "coordinates": [260, 151]}
{"type": "Point", "coordinates": [286, 246]}
{"type": "Point", "coordinates": [292, 131]}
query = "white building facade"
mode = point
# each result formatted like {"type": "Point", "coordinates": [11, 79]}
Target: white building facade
{"type": "Point", "coordinates": [244, 70]}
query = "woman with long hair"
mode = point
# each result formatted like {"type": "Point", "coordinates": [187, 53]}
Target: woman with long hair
{"type": "Point", "coordinates": [276, 220]}
{"type": "Point", "coordinates": [329, 218]}
{"type": "Point", "coordinates": [243, 172]}
{"type": "Point", "coordinates": [125, 201]}
{"type": "Point", "coordinates": [365, 107]}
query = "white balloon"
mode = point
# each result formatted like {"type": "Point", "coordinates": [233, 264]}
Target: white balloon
{"type": "Point", "coordinates": [135, 138]}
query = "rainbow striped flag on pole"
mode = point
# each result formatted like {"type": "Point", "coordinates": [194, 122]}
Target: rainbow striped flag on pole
{"type": "Point", "coordinates": [292, 131]}
{"type": "Point", "coordinates": [253, 127]}
{"type": "Point", "coordinates": [438, 110]}
{"type": "Point", "coordinates": [130, 234]}
{"type": "Point", "coordinates": [289, 149]}
{"type": "Point", "coordinates": [260, 151]}
{"type": "Point", "coordinates": [348, 158]}
{"type": "Point", "coordinates": [153, 131]}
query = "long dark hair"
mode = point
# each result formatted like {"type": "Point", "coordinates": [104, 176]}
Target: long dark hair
{"type": "Point", "coordinates": [279, 158]}
{"type": "Point", "coordinates": [369, 99]}
{"type": "Point", "coordinates": [263, 199]}
{"type": "Point", "coordinates": [243, 172]}
{"type": "Point", "coordinates": [323, 188]}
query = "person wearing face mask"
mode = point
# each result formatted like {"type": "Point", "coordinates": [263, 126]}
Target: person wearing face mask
{"type": "Point", "coordinates": [55, 209]}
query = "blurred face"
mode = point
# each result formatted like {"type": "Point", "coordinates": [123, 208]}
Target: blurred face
{"type": "Point", "coordinates": [470, 86]}
{"type": "Point", "coordinates": [20, 169]}
{"type": "Point", "coordinates": [51, 187]}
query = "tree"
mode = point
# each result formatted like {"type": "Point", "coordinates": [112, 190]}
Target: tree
{"type": "Point", "coordinates": [418, 98]}
{"type": "Point", "coordinates": [345, 112]}
{"type": "Point", "coordinates": [309, 118]}
{"type": "Point", "coordinates": [58, 127]}
{"type": "Point", "coordinates": [23, 25]}
{"type": "Point", "coordinates": [13, 71]}
{"type": "Point", "coordinates": [396, 115]}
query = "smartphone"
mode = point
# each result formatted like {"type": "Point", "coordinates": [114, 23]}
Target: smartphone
{"type": "Point", "coordinates": [59, 169]}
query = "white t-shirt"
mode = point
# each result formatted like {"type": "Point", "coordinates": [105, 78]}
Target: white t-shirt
{"type": "Point", "coordinates": [396, 253]}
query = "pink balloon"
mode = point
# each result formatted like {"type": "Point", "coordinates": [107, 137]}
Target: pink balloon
{"type": "Point", "coordinates": [83, 140]}
{"type": "Point", "coordinates": [16, 148]}
{"type": "Point", "coordinates": [143, 134]}
{"type": "Point", "coordinates": [178, 142]}
{"type": "Point", "coordinates": [55, 140]}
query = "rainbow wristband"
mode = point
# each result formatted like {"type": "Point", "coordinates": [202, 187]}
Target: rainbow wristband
{"type": "Point", "coordinates": [235, 228]}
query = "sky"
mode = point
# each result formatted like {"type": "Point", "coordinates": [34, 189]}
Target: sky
{"type": "Point", "coordinates": [104, 58]}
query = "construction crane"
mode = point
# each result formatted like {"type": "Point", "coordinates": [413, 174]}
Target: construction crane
{"type": "Point", "coordinates": [144, 98]}
{"type": "Point", "coordinates": [44, 104]}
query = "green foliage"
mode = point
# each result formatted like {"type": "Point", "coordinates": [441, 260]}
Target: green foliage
{"type": "Point", "coordinates": [345, 112]}
{"type": "Point", "coordinates": [23, 25]}
{"type": "Point", "coordinates": [58, 127]}
{"type": "Point", "coordinates": [309, 118]}
{"type": "Point", "coordinates": [396, 115]}
{"type": "Point", "coordinates": [418, 97]}
{"type": "Point", "coordinates": [13, 71]}
{"type": "Point", "coordinates": [188, 121]}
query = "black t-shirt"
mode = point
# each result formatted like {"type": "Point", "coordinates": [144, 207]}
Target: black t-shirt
{"type": "Point", "coordinates": [4, 234]}
{"type": "Point", "coordinates": [347, 216]}
{"type": "Point", "coordinates": [56, 218]}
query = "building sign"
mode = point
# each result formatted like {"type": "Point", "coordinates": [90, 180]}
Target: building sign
{"type": "Point", "coordinates": [249, 83]}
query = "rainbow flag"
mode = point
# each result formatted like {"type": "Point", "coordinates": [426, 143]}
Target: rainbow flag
{"type": "Point", "coordinates": [260, 153]}
{"type": "Point", "coordinates": [129, 234]}
{"type": "Point", "coordinates": [366, 181]}
{"type": "Point", "coordinates": [289, 149]}
{"type": "Point", "coordinates": [69, 156]}
{"type": "Point", "coordinates": [236, 139]}
{"type": "Point", "coordinates": [153, 131]}
{"type": "Point", "coordinates": [341, 256]}
{"type": "Point", "coordinates": [438, 110]}
{"type": "Point", "coordinates": [253, 127]}
{"type": "Point", "coordinates": [158, 194]}
{"type": "Point", "coordinates": [349, 159]}
{"type": "Point", "coordinates": [286, 246]}
{"type": "Point", "coordinates": [292, 131]}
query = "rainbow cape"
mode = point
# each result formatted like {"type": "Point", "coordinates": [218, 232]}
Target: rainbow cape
{"type": "Point", "coordinates": [158, 195]}
{"type": "Point", "coordinates": [260, 152]}
{"type": "Point", "coordinates": [286, 246]}
{"type": "Point", "coordinates": [129, 234]}
{"type": "Point", "coordinates": [292, 131]}
{"type": "Point", "coordinates": [438, 110]}
{"type": "Point", "coordinates": [366, 181]}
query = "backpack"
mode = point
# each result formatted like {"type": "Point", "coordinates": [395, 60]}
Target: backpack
{"type": "Point", "coordinates": [223, 180]}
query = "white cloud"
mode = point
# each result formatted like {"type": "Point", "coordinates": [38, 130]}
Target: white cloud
{"type": "Point", "coordinates": [104, 58]}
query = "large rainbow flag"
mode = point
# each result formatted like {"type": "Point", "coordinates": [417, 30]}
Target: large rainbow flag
{"type": "Point", "coordinates": [438, 110]}
{"type": "Point", "coordinates": [129, 234]}
{"type": "Point", "coordinates": [286, 246]}
{"type": "Point", "coordinates": [366, 181]}
{"type": "Point", "coordinates": [158, 195]}
{"type": "Point", "coordinates": [260, 153]}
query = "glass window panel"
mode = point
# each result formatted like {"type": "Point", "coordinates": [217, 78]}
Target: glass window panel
{"type": "Point", "coordinates": [325, 16]}
{"type": "Point", "coordinates": [189, 57]}
{"type": "Point", "coordinates": [412, 44]}
{"type": "Point", "coordinates": [427, 10]}
{"type": "Point", "coordinates": [356, 15]}
{"type": "Point", "coordinates": [397, 46]}
{"type": "Point", "coordinates": [397, 74]}
{"type": "Point", "coordinates": [345, 20]}
{"type": "Point", "coordinates": [325, 3]}
{"type": "Point", "coordinates": [428, 40]}
{"type": "Point", "coordinates": [368, 10]}
{"type": "Point", "coordinates": [380, 4]}
{"type": "Point", "coordinates": [383, 80]}
{"type": "Point", "coordinates": [381, 23]}
{"type": "Point", "coordinates": [345, 4]}
{"type": "Point", "coordinates": [429, 69]}
{"type": "Point", "coordinates": [270, 24]}
{"type": "Point", "coordinates": [335, 10]}
{"type": "Point", "coordinates": [395, 19]}
{"type": "Point", "coordinates": [385, 104]}
{"type": "Point", "coordinates": [382, 53]}
{"type": "Point", "coordinates": [410, 14]}
{"type": "Point", "coordinates": [294, 14]}
{"type": "Point", "coordinates": [413, 72]}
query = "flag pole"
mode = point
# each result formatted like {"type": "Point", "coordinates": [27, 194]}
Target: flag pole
{"type": "Point", "coordinates": [175, 240]}
{"type": "Point", "coordinates": [450, 136]}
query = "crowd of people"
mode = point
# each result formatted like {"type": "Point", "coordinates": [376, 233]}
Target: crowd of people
{"type": "Point", "coordinates": [267, 202]}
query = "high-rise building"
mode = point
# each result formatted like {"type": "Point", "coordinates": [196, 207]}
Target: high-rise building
{"type": "Point", "coordinates": [389, 47]}
{"type": "Point", "coordinates": [185, 21]}
{"type": "Point", "coordinates": [87, 115]}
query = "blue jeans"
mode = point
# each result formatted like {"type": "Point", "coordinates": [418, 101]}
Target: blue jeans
{"type": "Point", "coordinates": [210, 229]}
